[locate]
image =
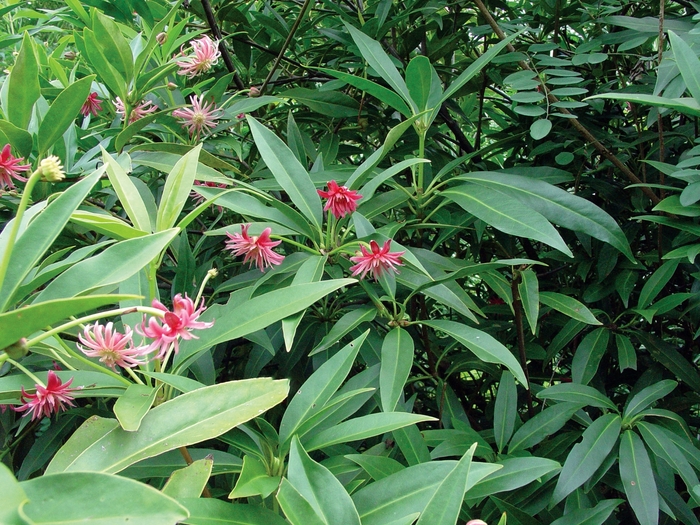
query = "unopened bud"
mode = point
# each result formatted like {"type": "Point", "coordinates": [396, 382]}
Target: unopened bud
{"type": "Point", "coordinates": [254, 92]}
{"type": "Point", "coordinates": [161, 38]}
{"type": "Point", "coordinates": [70, 55]}
{"type": "Point", "coordinates": [51, 169]}
{"type": "Point", "coordinates": [171, 86]}
{"type": "Point", "coordinates": [213, 272]}
{"type": "Point", "coordinates": [17, 350]}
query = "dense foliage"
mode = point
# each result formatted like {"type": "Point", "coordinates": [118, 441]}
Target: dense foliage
{"type": "Point", "coordinates": [341, 263]}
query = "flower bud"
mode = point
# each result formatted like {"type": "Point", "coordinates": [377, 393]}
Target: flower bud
{"type": "Point", "coordinates": [171, 86]}
{"type": "Point", "coordinates": [51, 169]}
{"type": "Point", "coordinates": [17, 350]}
{"type": "Point", "coordinates": [161, 38]}
{"type": "Point", "coordinates": [213, 272]}
{"type": "Point", "coordinates": [70, 55]}
{"type": "Point", "coordinates": [254, 92]}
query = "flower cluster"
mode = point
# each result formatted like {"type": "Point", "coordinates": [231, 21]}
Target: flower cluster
{"type": "Point", "coordinates": [204, 55]}
{"type": "Point", "coordinates": [257, 249]}
{"type": "Point", "coordinates": [341, 200]}
{"type": "Point", "coordinates": [10, 168]}
{"type": "Point", "coordinates": [200, 117]}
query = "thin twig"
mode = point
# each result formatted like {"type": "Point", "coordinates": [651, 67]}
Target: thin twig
{"type": "Point", "coordinates": [211, 20]}
{"type": "Point", "coordinates": [518, 310]}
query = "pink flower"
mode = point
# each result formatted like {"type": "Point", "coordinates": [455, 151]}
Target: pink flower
{"type": "Point", "coordinates": [377, 261]}
{"type": "Point", "coordinates": [137, 112]}
{"type": "Point", "coordinates": [113, 348]}
{"type": "Point", "coordinates": [176, 324]}
{"type": "Point", "coordinates": [199, 117]}
{"type": "Point", "coordinates": [341, 200]}
{"type": "Point", "coordinates": [257, 249]}
{"type": "Point", "coordinates": [476, 522]}
{"type": "Point", "coordinates": [10, 168]}
{"type": "Point", "coordinates": [197, 197]}
{"type": "Point", "coordinates": [205, 55]}
{"type": "Point", "coordinates": [48, 399]}
{"type": "Point", "coordinates": [91, 105]}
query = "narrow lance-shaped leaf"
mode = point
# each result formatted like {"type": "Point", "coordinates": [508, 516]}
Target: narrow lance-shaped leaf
{"type": "Point", "coordinates": [528, 287]}
{"type": "Point", "coordinates": [688, 64]}
{"type": "Point", "coordinates": [177, 188]}
{"type": "Point", "coordinates": [397, 360]}
{"type": "Point", "coordinates": [505, 410]}
{"type": "Point", "coordinates": [588, 355]}
{"type": "Point", "coordinates": [568, 306]}
{"type": "Point", "coordinates": [129, 196]}
{"type": "Point", "coordinates": [23, 85]}
{"type": "Point", "coordinates": [637, 479]}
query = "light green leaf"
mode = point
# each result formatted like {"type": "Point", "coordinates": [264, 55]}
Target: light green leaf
{"type": "Point", "coordinates": [296, 508]}
{"type": "Point", "coordinates": [588, 355]}
{"type": "Point", "coordinates": [419, 75]}
{"type": "Point", "coordinates": [542, 425]}
{"type": "Point", "coordinates": [128, 195]}
{"type": "Point", "coordinates": [190, 418]}
{"type": "Point", "coordinates": [595, 516]}
{"type": "Point", "coordinates": [688, 64]}
{"type": "Point", "coordinates": [254, 480]}
{"type": "Point", "coordinates": [637, 479]}
{"type": "Point", "coordinates": [529, 290]}
{"type": "Point", "coordinates": [644, 398]}
{"type": "Point", "coordinates": [656, 282]}
{"type": "Point", "coordinates": [378, 467]}
{"type": "Point", "coordinates": [585, 457]}
{"type": "Point", "coordinates": [343, 326]}
{"type": "Point", "coordinates": [540, 129]}
{"type": "Point", "coordinates": [210, 511]}
{"type": "Point", "coordinates": [189, 482]}
{"type": "Point", "coordinates": [685, 105]}
{"type": "Point", "coordinates": [177, 188]}
{"type": "Point", "coordinates": [396, 363]}
{"type": "Point", "coordinates": [23, 85]}
{"type": "Point", "coordinates": [505, 410]}
{"type": "Point", "coordinates": [13, 497]}
{"type": "Point", "coordinates": [516, 473]}
{"type": "Point", "coordinates": [484, 346]}
{"type": "Point", "coordinates": [133, 405]}
{"type": "Point", "coordinates": [108, 225]}
{"type": "Point", "coordinates": [568, 306]}
{"type": "Point", "coordinates": [579, 394]}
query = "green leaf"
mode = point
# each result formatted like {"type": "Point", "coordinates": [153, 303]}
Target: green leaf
{"type": "Point", "coordinates": [669, 356]}
{"type": "Point", "coordinates": [484, 346]}
{"type": "Point", "coordinates": [685, 105]}
{"type": "Point", "coordinates": [133, 405]}
{"type": "Point", "coordinates": [210, 511]}
{"type": "Point", "coordinates": [343, 326]}
{"type": "Point", "coordinates": [656, 282]}
{"type": "Point", "coordinates": [595, 516]}
{"type": "Point", "coordinates": [542, 425]}
{"type": "Point", "coordinates": [445, 505]}
{"type": "Point", "coordinates": [190, 418]}
{"type": "Point", "coordinates": [588, 355]}
{"type": "Point", "coordinates": [576, 393]}
{"type": "Point", "coordinates": [329, 103]}
{"type": "Point", "coordinates": [108, 225]}
{"type": "Point", "coordinates": [372, 52]}
{"type": "Point", "coordinates": [129, 196]}
{"type": "Point", "coordinates": [40, 235]}
{"type": "Point", "coordinates": [568, 306]}
{"type": "Point", "coordinates": [70, 498]}
{"type": "Point", "coordinates": [505, 410]}
{"type": "Point", "coordinates": [189, 482]}
{"type": "Point", "coordinates": [288, 172]}
{"type": "Point", "coordinates": [419, 75]}
{"type": "Point", "coordinates": [318, 389]}
{"type": "Point", "coordinates": [109, 268]}
{"type": "Point", "coordinates": [637, 479]}
{"type": "Point", "coordinates": [363, 427]}
{"type": "Point", "coordinates": [644, 398]}
{"type": "Point", "coordinates": [296, 508]}
{"type": "Point", "coordinates": [506, 213]}
{"type": "Point", "coordinates": [164, 465]}
{"type": "Point", "coordinates": [528, 287]}
{"type": "Point", "coordinates": [378, 467]}
{"type": "Point", "coordinates": [105, 70]}
{"type": "Point", "coordinates": [112, 45]}
{"type": "Point", "coordinates": [24, 321]}
{"type": "Point", "coordinates": [13, 497]}
{"type": "Point", "coordinates": [23, 85]}
{"type": "Point", "coordinates": [585, 457]}
{"type": "Point", "coordinates": [320, 488]}
{"type": "Point", "coordinates": [311, 270]}
{"type": "Point", "coordinates": [626, 356]}
{"type": "Point", "coordinates": [540, 129]}
{"type": "Point", "coordinates": [177, 188]}
{"type": "Point", "coordinates": [397, 361]}
{"type": "Point", "coordinates": [62, 113]}
{"type": "Point", "coordinates": [687, 61]}
{"type": "Point", "coordinates": [516, 473]}
{"type": "Point", "coordinates": [254, 480]}
{"type": "Point", "coordinates": [18, 138]}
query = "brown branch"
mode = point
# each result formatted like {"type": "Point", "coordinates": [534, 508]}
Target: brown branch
{"type": "Point", "coordinates": [520, 326]}
{"type": "Point", "coordinates": [211, 20]}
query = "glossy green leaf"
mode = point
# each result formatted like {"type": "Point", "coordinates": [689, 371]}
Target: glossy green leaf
{"type": "Point", "coordinates": [189, 482]}
{"type": "Point", "coordinates": [685, 105]}
{"type": "Point", "coordinates": [412, 445]}
{"type": "Point", "coordinates": [445, 505]}
{"type": "Point", "coordinates": [70, 498]}
{"type": "Point", "coordinates": [163, 465]}
{"type": "Point", "coordinates": [542, 425]}
{"type": "Point", "coordinates": [419, 75]}
{"type": "Point", "coordinates": [311, 270]}
{"type": "Point", "coordinates": [540, 129]}
{"type": "Point", "coordinates": [133, 405]}
{"type": "Point", "coordinates": [397, 361]}
{"type": "Point", "coordinates": [688, 64]}
{"type": "Point", "coordinates": [62, 113]}
{"type": "Point", "coordinates": [577, 393]}
{"type": "Point", "coordinates": [568, 306]}
{"type": "Point", "coordinates": [506, 213]}
{"type": "Point", "coordinates": [484, 346]}
{"type": "Point", "coordinates": [318, 389]}
{"type": "Point", "coordinates": [108, 225]}
{"type": "Point", "coordinates": [296, 508]}
{"type": "Point", "coordinates": [23, 85]}
{"type": "Point", "coordinates": [669, 356]}
{"type": "Point", "coordinates": [105, 70]}
{"type": "Point", "coordinates": [109, 268]}
{"type": "Point", "coordinates": [177, 188]}
{"type": "Point", "coordinates": [190, 418]}
{"type": "Point", "coordinates": [254, 480]}
{"type": "Point", "coordinates": [585, 457]}
{"type": "Point", "coordinates": [637, 479]}
{"type": "Point", "coordinates": [626, 355]}
{"type": "Point", "coordinates": [343, 326]}
{"type": "Point", "coordinates": [377, 467]}
{"type": "Point", "coordinates": [363, 427]}
{"type": "Point", "coordinates": [288, 172]}
{"type": "Point", "coordinates": [505, 410]}
{"type": "Point", "coordinates": [210, 511]}
{"type": "Point", "coordinates": [40, 235]}
{"type": "Point", "coordinates": [516, 473]}
{"type": "Point", "coordinates": [129, 196]}
{"type": "Point", "coordinates": [594, 516]}
{"type": "Point", "coordinates": [528, 287]}
{"type": "Point", "coordinates": [13, 497]}
{"type": "Point", "coordinates": [588, 355]}
{"type": "Point", "coordinates": [113, 45]}
{"type": "Point", "coordinates": [24, 321]}
{"type": "Point", "coordinates": [329, 103]}
{"type": "Point", "coordinates": [320, 488]}
{"type": "Point", "coordinates": [647, 396]}
{"type": "Point", "coordinates": [656, 282]}
{"type": "Point", "coordinates": [20, 139]}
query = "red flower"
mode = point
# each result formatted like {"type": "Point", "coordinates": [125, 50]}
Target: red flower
{"type": "Point", "coordinates": [341, 200]}
{"type": "Point", "coordinates": [48, 399]}
{"type": "Point", "coordinates": [112, 347]}
{"type": "Point", "coordinates": [10, 168]}
{"type": "Point", "coordinates": [377, 261]}
{"type": "Point", "coordinates": [91, 105]}
{"type": "Point", "coordinates": [176, 324]}
{"type": "Point", "coordinates": [257, 249]}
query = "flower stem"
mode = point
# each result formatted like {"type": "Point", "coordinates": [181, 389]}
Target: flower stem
{"type": "Point", "coordinates": [27, 372]}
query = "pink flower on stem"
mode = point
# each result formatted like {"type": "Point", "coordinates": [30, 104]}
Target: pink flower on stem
{"type": "Point", "coordinates": [205, 55]}
{"type": "Point", "coordinates": [137, 112]}
{"type": "Point", "coordinates": [112, 347]}
{"type": "Point", "coordinates": [341, 200]}
{"type": "Point", "coordinates": [176, 324]}
{"type": "Point", "coordinates": [199, 117]}
{"type": "Point", "coordinates": [11, 167]}
{"type": "Point", "coordinates": [376, 261]}
{"type": "Point", "coordinates": [257, 249]}
{"type": "Point", "coordinates": [48, 399]}
{"type": "Point", "coordinates": [91, 105]}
